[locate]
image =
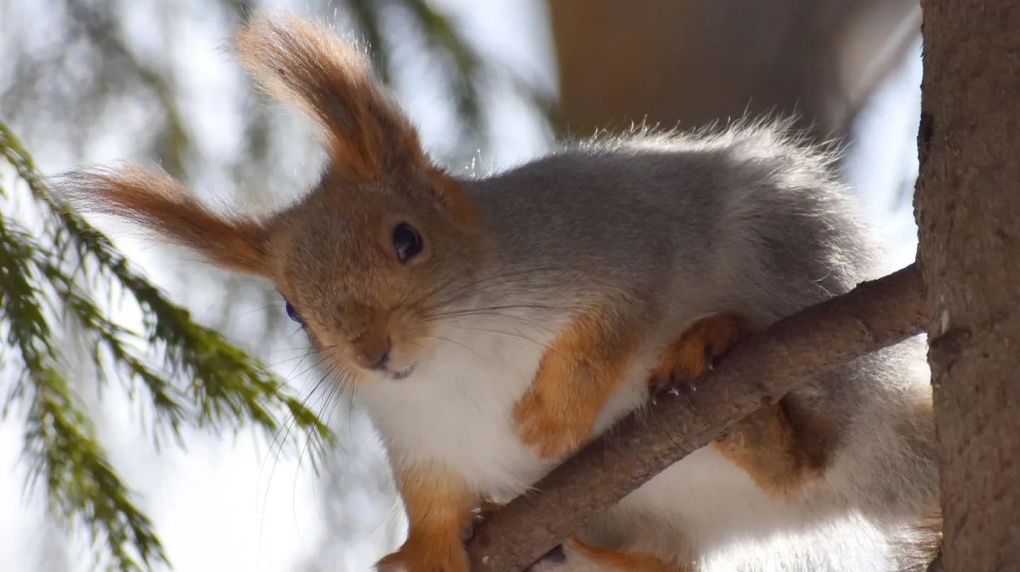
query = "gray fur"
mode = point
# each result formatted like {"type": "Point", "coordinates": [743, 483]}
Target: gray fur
{"type": "Point", "coordinates": [675, 226]}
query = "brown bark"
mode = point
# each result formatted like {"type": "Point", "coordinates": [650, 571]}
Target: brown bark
{"type": "Point", "coordinates": [757, 370]}
{"type": "Point", "coordinates": [968, 212]}
{"type": "Point", "coordinates": [696, 61]}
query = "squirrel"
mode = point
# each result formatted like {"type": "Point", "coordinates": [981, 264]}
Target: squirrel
{"type": "Point", "coordinates": [493, 325]}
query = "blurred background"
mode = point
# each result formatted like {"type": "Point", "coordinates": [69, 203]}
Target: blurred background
{"type": "Point", "coordinates": [490, 83]}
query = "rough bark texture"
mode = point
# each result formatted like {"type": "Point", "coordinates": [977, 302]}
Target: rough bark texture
{"type": "Point", "coordinates": [696, 61]}
{"type": "Point", "coordinates": [968, 212]}
{"type": "Point", "coordinates": [758, 370]}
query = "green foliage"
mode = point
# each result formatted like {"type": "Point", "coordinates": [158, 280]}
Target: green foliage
{"type": "Point", "coordinates": [206, 382]}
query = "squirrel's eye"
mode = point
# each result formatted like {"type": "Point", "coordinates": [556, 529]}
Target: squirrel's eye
{"type": "Point", "coordinates": [292, 313]}
{"type": "Point", "coordinates": [406, 241]}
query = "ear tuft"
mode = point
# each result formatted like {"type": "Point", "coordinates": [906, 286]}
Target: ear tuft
{"type": "Point", "coordinates": [159, 203]}
{"type": "Point", "coordinates": [308, 66]}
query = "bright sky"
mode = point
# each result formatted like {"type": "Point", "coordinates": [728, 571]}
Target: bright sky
{"type": "Point", "coordinates": [228, 504]}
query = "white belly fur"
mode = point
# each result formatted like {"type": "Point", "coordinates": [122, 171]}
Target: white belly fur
{"type": "Point", "coordinates": [706, 507]}
{"type": "Point", "coordinates": [457, 410]}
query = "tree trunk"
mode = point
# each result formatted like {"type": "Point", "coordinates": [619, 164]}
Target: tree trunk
{"type": "Point", "coordinates": [968, 211]}
{"type": "Point", "coordinates": [690, 62]}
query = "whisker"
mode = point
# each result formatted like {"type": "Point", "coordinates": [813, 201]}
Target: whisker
{"type": "Point", "coordinates": [288, 426]}
{"type": "Point", "coordinates": [511, 276]}
{"type": "Point", "coordinates": [302, 356]}
{"type": "Point", "coordinates": [340, 390]}
{"type": "Point", "coordinates": [492, 309]}
{"type": "Point", "coordinates": [308, 442]}
{"type": "Point", "coordinates": [455, 342]}
{"type": "Point", "coordinates": [508, 334]}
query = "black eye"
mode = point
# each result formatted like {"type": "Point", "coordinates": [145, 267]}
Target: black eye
{"type": "Point", "coordinates": [406, 241]}
{"type": "Point", "coordinates": [292, 313]}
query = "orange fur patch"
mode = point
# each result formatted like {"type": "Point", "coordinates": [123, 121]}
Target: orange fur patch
{"type": "Point", "coordinates": [439, 510]}
{"type": "Point", "coordinates": [575, 378]}
{"type": "Point", "coordinates": [625, 561]}
{"type": "Point", "coordinates": [159, 203]}
{"type": "Point", "coordinates": [782, 445]}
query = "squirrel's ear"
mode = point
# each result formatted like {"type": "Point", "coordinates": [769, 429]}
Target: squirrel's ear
{"type": "Point", "coordinates": [159, 203]}
{"type": "Point", "coordinates": [308, 66]}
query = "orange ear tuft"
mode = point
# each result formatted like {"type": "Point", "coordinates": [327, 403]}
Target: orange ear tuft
{"type": "Point", "coordinates": [308, 66]}
{"type": "Point", "coordinates": [160, 203]}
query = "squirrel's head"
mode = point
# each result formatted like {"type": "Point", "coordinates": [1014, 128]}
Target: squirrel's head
{"type": "Point", "coordinates": [363, 260]}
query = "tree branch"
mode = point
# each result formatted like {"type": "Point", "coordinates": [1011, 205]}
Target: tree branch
{"type": "Point", "coordinates": [758, 370]}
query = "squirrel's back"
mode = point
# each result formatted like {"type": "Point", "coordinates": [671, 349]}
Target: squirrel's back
{"type": "Point", "coordinates": [751, 207]}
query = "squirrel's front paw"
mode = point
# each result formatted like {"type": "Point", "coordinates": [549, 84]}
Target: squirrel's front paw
{"type": "Point", "coordinates": [551, 431]}
{"type": "Point", "coordinates": [425, 557]}
{"type": "Point", "coordinates": [697, 348]}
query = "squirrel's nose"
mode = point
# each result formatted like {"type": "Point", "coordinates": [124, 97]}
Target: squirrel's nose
{"type": "Point", "coordinates": [374, 355]}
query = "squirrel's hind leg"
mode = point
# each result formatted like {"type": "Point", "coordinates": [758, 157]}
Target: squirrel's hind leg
{"type": "Point", "coordinates": [782, 445]}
